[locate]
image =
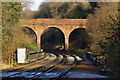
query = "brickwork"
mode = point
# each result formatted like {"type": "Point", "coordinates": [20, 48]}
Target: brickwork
{"type": "Point", "coordinates": [65, 25]}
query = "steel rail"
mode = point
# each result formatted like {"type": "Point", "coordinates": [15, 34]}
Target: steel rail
{"type": "Point", "coordinates": [29, 64]}
{"type": "Point", "coordinates": [61, 72]}
{"type": "Point", "coordinates": [34, 68]}
{"type": "Point", "coordinates": [51, 66]}
{"type": "Point", "coordinates": [65, 70]}
{"type": "Point", "coordinates": [50, 69]}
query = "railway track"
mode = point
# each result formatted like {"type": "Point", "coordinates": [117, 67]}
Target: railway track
{"type": "Point", "coordinates": [34, 66]}
{"type": "Point", "coordinates": [59, 64]}
{"type": "Point", "coordinates": [49, 68]}
{"type": "Point", "coordinates": [30, 64]}
{"type": "Point", "coordinates": [61, 69]}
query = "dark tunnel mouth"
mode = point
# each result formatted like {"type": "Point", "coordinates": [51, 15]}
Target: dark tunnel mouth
{"type": "Point", "coordinates": [77, 40]}
{"type": "Point", "coordinates": [56, 45]}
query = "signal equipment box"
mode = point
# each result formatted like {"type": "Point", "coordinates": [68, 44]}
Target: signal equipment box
{"type": "Point", "coordinates": [21, 55]}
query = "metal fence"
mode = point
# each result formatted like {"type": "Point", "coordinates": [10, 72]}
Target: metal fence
{"type": "Point", "coordinates": [34, 56]}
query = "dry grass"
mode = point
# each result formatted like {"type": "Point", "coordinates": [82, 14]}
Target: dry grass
{"type": "Point", "coordinates": [5, 66]}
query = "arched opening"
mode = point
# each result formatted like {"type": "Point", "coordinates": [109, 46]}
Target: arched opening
{"type": "Point", "coordinates": [53, 39]}
{"type": "Point", "coordinates": [78, 39]}
{"type": "Point", "coordinates": [30, 35]}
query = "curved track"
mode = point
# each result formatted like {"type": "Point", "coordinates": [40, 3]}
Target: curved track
{"type": "Point", "coordinates": [59, 64]}
{"type": "Point", "coordinates": [60, 69]}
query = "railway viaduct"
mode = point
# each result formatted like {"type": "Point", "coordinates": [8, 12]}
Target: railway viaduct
{"type": "Point", "coordinates": [64, 25]}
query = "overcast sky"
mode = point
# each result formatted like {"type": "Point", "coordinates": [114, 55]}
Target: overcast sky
{"type": "Point", "coordinates": [36, 4]}
{"type": "Point", "coordinates": [33, 6]}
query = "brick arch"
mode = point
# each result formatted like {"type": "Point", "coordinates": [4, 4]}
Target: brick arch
{"type": "Point", "coordinates": [55, 27]}
{"type": "Point", "coordinates": [41, 28]}
{"type": "Point", "coordinates": [65, 25]}
{"type": "Point", "coordinates": [31, 29]}
{"type": "Point", "coordinates": [73, 31]}
{"type": "Point", "coordinates": [70, 32]}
